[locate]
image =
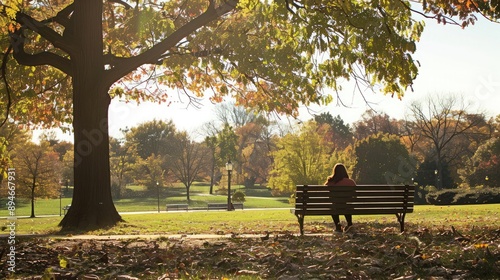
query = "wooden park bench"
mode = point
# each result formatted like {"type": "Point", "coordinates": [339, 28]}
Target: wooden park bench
{"type": "Point", "coordinates": [177, 207]}
{"type": "Point", "coordinates": [223, 206]}
{"type": "Point", "coordinates": [315, 200]}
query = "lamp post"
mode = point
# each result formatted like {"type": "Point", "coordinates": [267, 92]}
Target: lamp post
{"type": "Point", "coordinates": [158, 194]}
{"type": "Point", "coordinates": [437, 178]}
{"type": "Point", "coordinates": [229, 168]}
{"type": "Point", "coordinates": [60, 201]}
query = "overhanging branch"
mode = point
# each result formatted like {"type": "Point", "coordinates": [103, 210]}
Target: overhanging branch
{"type": "Point", "coordinates": [127, 65]}
{"type": "Point", "coordinates": [62, 16]}
{"type": "Point", "coordinates": [7, 86]}
{"type": "Point", "coordinates": [47, 33]}
{"type": "Point", "coordinates": [44, 58]}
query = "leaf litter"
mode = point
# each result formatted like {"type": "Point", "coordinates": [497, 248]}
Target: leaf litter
{"type": "Point", "coordinates": [364, 252]}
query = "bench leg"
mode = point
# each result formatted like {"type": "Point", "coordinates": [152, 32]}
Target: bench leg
{"type": "Point", "coordinates": [300, 218]}
{"type": "Point", "coordinates": [401, 220]}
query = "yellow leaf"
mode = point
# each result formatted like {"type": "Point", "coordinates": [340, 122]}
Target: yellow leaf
{"type": "Point", "coordinates": [63, 262]}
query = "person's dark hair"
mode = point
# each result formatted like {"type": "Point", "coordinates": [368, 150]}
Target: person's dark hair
{"type": "Point", "coordinates": [339, 173]}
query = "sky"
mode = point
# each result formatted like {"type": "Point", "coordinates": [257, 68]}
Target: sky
{"type": "Point", "coordinates": [453, 61]}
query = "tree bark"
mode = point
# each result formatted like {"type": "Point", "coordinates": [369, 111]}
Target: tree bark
{"type": "Point", "coordinates": [92, 205]}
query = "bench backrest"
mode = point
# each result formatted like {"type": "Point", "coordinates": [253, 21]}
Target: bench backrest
{"type": "Point", "coordinates": [361, 199]}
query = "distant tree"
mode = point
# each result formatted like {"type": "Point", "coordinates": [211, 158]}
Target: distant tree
{"type": "Point", "coordinates": [256, 158]}
{"type": "Point", "coordinates": [247, 124]}
{"type": "Point", "coordinates": [62, 147]}
{"type": "Point", "coordinates": [411, 136]}
{"type": "Point", "coordinates": [373, 123]}
{"type": "Point", "coordinates": [441, 121]}
{"type": "Point", "coordinates": [151, 137]}
{"type": "Point", "coordinates": [383, 159]}
{"type": "Point", "coordinates": [341, 134]}
{"type": "Point", "coordinates": [300, 158]}
{"type": "Point", "coordinates": [122, 159]}
{"type": "Point", "coordinates": [211, 142]}
{"type": "Point", "coordinates": [150, 172]}
{"type": "Point", "coordinates": [37, 172]}
{"type": "Point", "coordinates": [188, 160]}
{"type": "Point", "coordinates": [427, 175]}
{"type": "Point", "coordinates": [227, 141]}
{"type": "Point", "coordinates": [236, 116]}
{"type": "Point", "coordinates": [496, 126]}
{"type": "Point", "coordinates": [12, 137]}
{"type": "Point", "coordinates": [253, 151]}
{"type": "Point", "coordinates": [67, 172]}
{"type": "Point", "coordinates": [482, 169]}
{"type": "Point", "coordinates": [50, 137]}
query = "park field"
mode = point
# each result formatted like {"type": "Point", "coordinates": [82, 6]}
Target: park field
{"type": "Point", "coordinates": [144, 201]}
{"type": "Point", "coordinates": [257, 221]}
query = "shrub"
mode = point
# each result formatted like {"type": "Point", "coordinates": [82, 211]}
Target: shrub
{"type": "Point", "coordinates": [238, 196]}
{"type": "Point", "coordinates": [422, 192]}
{"type": "Point", "coordinates": [478, 196]}
{"type": "Point", "coordinates": [443, 197]}
{"type": "Point", "coordinates": [462, 196]}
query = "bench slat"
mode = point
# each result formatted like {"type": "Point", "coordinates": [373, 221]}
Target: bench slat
{"type": "Point", "coordinates": [362, 199]}
{"type": "Point", "coordinates": [330, 192]}
{"type": "Point", "coordinates": [357, 187]}
{"type": "Point", "coordinates": [344, 200]}
{"type": "Point", "coordinates": [328, 212]}
{"type": "Point", "coordinates": [354, 205]}
{"type": "Point", "coordinates": [334, 210]}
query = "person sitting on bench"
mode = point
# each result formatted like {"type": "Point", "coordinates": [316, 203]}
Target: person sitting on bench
{"type": "Point", "coordinates": [340, 177]}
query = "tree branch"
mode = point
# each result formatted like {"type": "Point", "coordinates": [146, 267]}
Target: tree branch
{"type": "Point", "coordinates": [47, 33]}
{"type": "Point", "coordinates": [62, 16]}
{"type": "Point", "coordinates": [123, 3]}
{"type": "Point", "coordinates": [439, 17]}
{"type": "Point", "coordinates": [289, 3]}
{"type": "Point", "coordinates": [7, 86]}
{"type": "Point", "coordinates": [125, 66]}
{"type": "Point", "coordinates": [43, 58]}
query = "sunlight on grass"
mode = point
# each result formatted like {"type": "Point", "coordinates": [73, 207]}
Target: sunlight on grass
{"type": "Point", "coordinates": [53, 206]}
{"type": "Point", "coordinates": [258, 221]}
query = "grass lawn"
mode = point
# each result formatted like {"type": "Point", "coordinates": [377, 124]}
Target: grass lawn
{"type": "Point", "coordinates": [258, 221]}
{"type": "Point", "coordinates": [51, 206]}
{"type": "Point", "coordinates": [199, 195]}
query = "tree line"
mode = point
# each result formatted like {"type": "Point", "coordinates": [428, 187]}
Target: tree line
{"type": "Point", "coordinates": [439, 145]}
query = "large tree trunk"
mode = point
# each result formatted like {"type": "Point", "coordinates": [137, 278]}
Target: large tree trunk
{"type": "Point", "coordinates": [92, 205]}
